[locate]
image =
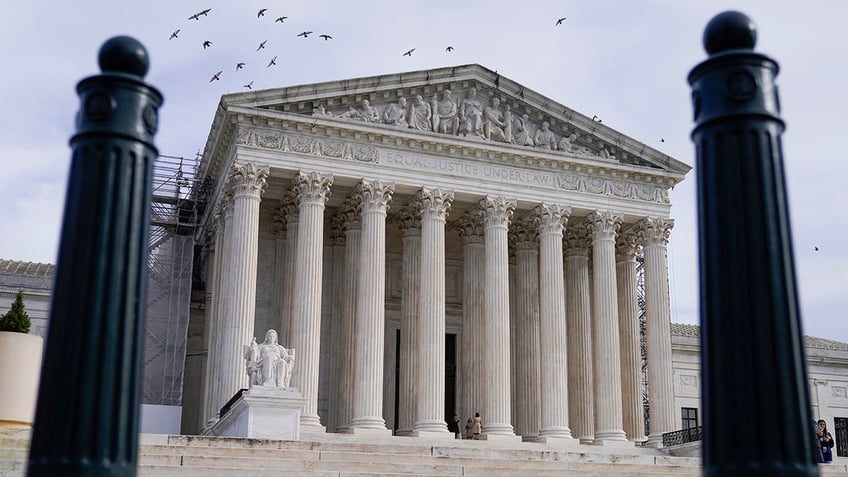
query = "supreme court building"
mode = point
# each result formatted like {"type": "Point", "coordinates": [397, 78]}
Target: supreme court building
{"type": "Point", "coordinates": [436, 242]}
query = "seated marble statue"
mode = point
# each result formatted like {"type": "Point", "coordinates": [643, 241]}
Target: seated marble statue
{"type": "Point", "coordinates": [521, 136]}
{"type": "Point", "coordinates": [268, 363]}
{"type": "Point", "coordinates": [395, 113]}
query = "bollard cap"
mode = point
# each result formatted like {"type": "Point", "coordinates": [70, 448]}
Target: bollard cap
{"type": "Point", "coordinates": [730, 30]}
{"type": "Point", "coordinates": [123, 54]}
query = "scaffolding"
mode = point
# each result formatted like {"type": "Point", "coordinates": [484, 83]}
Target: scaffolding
{"type": "Point", "coordinates": [170, 262]}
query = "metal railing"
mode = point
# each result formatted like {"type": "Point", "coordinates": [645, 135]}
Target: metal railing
{"type": "Point", "coordinates": [682, 436]}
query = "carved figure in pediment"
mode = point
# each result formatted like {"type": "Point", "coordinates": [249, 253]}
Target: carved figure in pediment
{"type": "Point", "coordinates": [603, 152]}
{"type": "Point", "coordinates": [445, 120]}
{"type": "Point", "coordinates": [351, 113]}
{"type": "Point", "coordinates": [494, 125]}
{"type": "Point", "coordinates": [321, 111]}
{"type": "Point", "coordinates": [395, 113]}
{"type": "Point", "coordinates": [567, 143]}
{"type": "Point", "coordinates": [421, 115]}
{"type": "Point", "coordinates": [471, 112]}
{"type": "Point", "coordinates": [521, 134]}
{"type": "Point", "coordinates": [545, 138]}
{"type": "Point", "coordinates": [370, 113]}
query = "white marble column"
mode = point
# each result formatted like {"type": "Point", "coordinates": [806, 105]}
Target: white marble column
{"type": "Point", "coordinates": [655, 232]}
{"type": "Point", "coordinates": [430, 388]}
{"type": "Point", "coordinates": [581, 409]}
{"type": "Point", "coordinates": [552, 325]}
{"type": "Point", "coordinates": [279, 270]}
{"type": "Point", "coordinates": [213, 289]}
{"type": "Point", "coordinates": [350, 214]}
{"type": "Point", "coordinates": [626, 248]}
{"type": "Point", "coordinates": [370, 310]}
{"type": "Point", "coordinates": [222, 302]}
{"type": "Point", "coordinates": [606, 361]}
{"type": "Point", "coordinates": [248, 182]}
{"type": "Point", "coordinates": [290, 207]}
{"type": "Point", "coordinates": [470, 229]}
{"type": "Point", "coordinates": [524, 235]}
{"type": "Point", "coordinates": [312, 190]}
{"type": "Point", "coordinates": [497, 422]}
{"type": "Point", "coordinates": [409, 221]}
{"type": "Point", "coordinates": [337, 354]}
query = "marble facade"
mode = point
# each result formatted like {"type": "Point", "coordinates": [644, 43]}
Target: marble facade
{"type": "Point", "coordinates": [349, 213]}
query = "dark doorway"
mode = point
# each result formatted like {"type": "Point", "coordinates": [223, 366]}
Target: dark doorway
{"type": "Point", "coordinates": [450, 376]}
{"type": "Point", "coordinates": [840, 427]}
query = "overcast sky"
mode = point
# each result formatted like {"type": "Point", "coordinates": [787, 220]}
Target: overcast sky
{"type": "Point", "coordinates": [624, 61]}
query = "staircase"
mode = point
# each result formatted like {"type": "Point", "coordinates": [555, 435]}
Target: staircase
{"type": "Point", "coordinates": [333, 455]}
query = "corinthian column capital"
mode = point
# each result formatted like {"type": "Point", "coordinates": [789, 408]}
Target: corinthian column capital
{"type": "Point", "coordinates": [435, 203]}
{"type": "Point", "coordinates": [524, 234]}
{"type": "Point", "coordinates": [655, 230]}
{"type": "Point", "coordinates": [470, 226]}
{"type": "Point", "coordinates": [408, 219]}
{"type": "Point", "coordinates": [603, 224]}
{"type": "Point", "coordinates": [312, 187]}
{"type": "Point", "coordinates": [375, 194]}
{"type": "Point", "coordinates": [248, 178]}
{"type": "Point", "coordinates": [551, 218]}
{"type": "Point", "coordinates": [577, 239]}
{"type": "Point", "coordinates": [498, 210]}
{"type": "Point", "coordinates": [627, 245]}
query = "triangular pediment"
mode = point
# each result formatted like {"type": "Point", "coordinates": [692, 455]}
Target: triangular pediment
{"type": "Point", "coordinates": [467, 102]}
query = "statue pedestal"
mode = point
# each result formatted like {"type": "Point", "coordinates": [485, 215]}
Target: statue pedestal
{"type": "Point", "coordinates": [263, 413]}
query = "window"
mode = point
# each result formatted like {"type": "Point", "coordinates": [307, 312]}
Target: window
{"type": "Point", "coordinates": [689, 417]}
{"type": "Point", "coordinates": [840, 425]}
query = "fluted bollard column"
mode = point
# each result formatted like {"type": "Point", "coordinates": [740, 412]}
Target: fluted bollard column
{"type": "Point", "coordinates": [86, 420]}
{"type": "Point", "coordinates": [409, 220]}
{"type": "Point", "coordinates": [497, 421]}
{"type": "Point", "coordinates": [430, 419]}
{"type": "Point", "coordinates": [290, 207]}
{"type": "Point", "coordinates": [751, 339]}
{"type": "Point", "coordinates": [371, 311]}
{"type": "Point", "coordinates": [554, 337]}
{"type": "Point", "coordinates": [473, 351]}
{"type": "Point", "coordinates": [605, 339]}
{"type": "Point", "coordinates": [578, 304]}
{"type": "Point", "coordinates": [626, 248]}
{"type": "Point", "coordinates": [350, 211]}
{"type": "Point", "coordinates": [248, 182]}
{"type": "Point", "coordinates": [524, 330]}
{"type": "Point", "coordinates": [655, 233]}
{"type": "Point", "coordinates": [312, 190]}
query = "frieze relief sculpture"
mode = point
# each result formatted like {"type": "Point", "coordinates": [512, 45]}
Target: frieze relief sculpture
{"type": "Point", "coordinates": [472, 116]}
{"type": "Point", "coordinates": [268, 363]}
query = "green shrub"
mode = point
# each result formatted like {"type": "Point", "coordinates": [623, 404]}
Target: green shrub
{"type": "Point", "coordinates": [16, 319]}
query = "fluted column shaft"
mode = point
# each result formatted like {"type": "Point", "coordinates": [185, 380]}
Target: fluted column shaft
{"type": "Point", "coordinates": [525, 330]}
{"type": "Point", "coordinates": [248, 185]}
{"type": "Point", "coordinates": [288, 266]}
{"type": "Point", "coordinates": [581, 408]}
{"type": "Point", "coordinates": [337, 355]}
{"type": "Point", "coordinates": [222, 304]}
{"type": "Point", "coordinates": [658, 327]}
{"type": "Point", "coordinates": [552, 322]}
{"type": "Point", "coordinates": [498, 214]}
{"type": "Point", "coordinates": [353, 235]}
{"type": "Point", "coordinates": [213, 282]}
{"type": "Point", "coordinates": [371, 308]}
{"type": "Point", "coordinates": [409, 220]}
{"type": "Point", "coordinates": [628, 326]}
{"type": "Point", "coordinates": [279, 270]}
{"type": "Point", "coordinates": [312, 190]}
{"type": "Point", "coordinates": [606, 360]}
{"type": "Point", "coordinates": [435, 204]}
{"type": "Point", "coordinates": [470, 228]}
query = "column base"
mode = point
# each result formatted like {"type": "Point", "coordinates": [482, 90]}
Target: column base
{"type": "Point", "coordinates": [403, 433]}
{"type": "Point", "coordinates": [586, 441]}
{"type": "Point", "coordinates": [369, 431]}
{"type": "Point", "coordinates": [654, 440]}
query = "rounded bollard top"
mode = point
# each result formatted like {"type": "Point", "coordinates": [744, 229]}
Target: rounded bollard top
{"type": "Point", "coordinates": [730, 30]}
{"type": "Point", "coordinates": [124, 54]}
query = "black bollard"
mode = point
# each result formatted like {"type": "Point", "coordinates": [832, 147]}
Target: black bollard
{"type": "Point", "coordinates": [86, 420]}
{"type": "Point", "coordinates": [755, 399]}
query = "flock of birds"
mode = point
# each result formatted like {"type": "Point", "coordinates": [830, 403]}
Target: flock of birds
{"type": "Point", "coordinates": [305, 34]}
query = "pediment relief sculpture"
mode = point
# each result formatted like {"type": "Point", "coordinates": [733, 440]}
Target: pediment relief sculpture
{"type": "Point", "coordinates": [473, 115]}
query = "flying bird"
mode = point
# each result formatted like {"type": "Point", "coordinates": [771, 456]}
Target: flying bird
{"type": "Point", "coordinates": [273, 62]}
{"type": "Point", "coordinates": [249, 85]}
{"type": "Point", "coordinates": [261, 12]}
{"type": "Point", "coordinates": [662, 139]}
{"type": "Point", "coordinates": [559, 21]}
{"type": "Point", "coordinates": [325, 37]}
{"type": "Point", "coordinates": [207, 44]}
{"type": "Point", "coordinates": [408, 53]}
{"type": "Point", "coordinates": [176, 34]}
{"type": "Point", "coordinates": [816, 249]}
{"type": "Point", "coordinates": [239, 66]}
{"type": "Point", "coordinates": [305, 34]}
{"type": "Point", "coordinates": [262, 45]}
{"type": "Point", "coordinates": [449, 49]}
{"type": "Point", "coordinates": [280, 19]}
{"type": "Point", "coordinates": [216, 76]}
{"type": "Point", "coordinates": [196, 16]}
